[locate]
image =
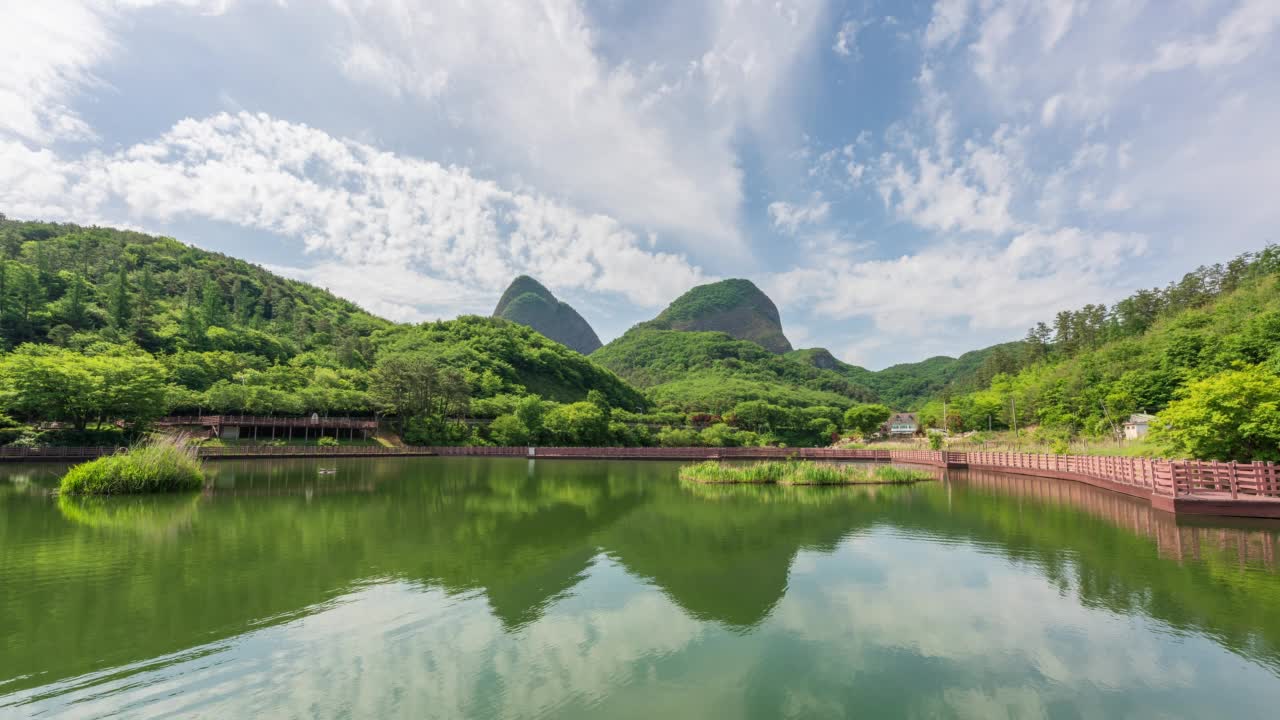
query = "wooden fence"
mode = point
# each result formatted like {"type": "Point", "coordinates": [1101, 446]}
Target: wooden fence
{"type": "Point", "coordinates": [270, 421]}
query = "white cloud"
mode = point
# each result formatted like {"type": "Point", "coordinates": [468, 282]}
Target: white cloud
{"type": "Point", "coordinates": [973, 193]}
{"type": "Point", "coordinates": [789, 217]}
{"type": "Point", "coordinates": [1240, 34]}
{"type": "Point", "coordinates": [348, 201]}
{"type": "Point", "coordinates": [647, 140]}
{"type": "Point", "coordinates": [846, 43]}
{"type": "Point", "coordinates": [48, 50]}
{"type": "Point", "coordinates": [949, 19]}
{"type": "Point", "coordinates": [986, 286]}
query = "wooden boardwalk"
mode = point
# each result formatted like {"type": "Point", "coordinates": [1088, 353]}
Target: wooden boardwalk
{"type": "Point", "coordinates": [1190, 487]}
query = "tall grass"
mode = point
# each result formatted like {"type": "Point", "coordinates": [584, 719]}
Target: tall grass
{"type": "Point", "coordinates": [165, 464]}
{"type": "Point", "coordinates": [798, 473]}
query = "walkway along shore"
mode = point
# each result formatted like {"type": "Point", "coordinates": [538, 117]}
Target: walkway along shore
{"type": "Point", "coordinates": [1182, 487]}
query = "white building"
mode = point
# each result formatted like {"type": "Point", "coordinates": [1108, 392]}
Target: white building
{"type": "Point", "coordinates": [1137, 426]}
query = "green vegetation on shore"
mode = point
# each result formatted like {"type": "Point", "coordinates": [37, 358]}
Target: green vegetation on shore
{"type": "Point", "coordinates": [102, 331]}
{"type": "Point", "coordinates": [164, 464]}
{"type": "Point", "coordinates": [1203, 354]}
{"type": "Point", "coordinates": [799, 472]}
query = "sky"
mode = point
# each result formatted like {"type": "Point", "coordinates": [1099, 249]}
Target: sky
{"type": "Point", "coordinates": [904, 179]}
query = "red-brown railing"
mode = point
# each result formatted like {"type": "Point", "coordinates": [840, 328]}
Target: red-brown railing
{"type": "Point", "coordinates": [268, 421]}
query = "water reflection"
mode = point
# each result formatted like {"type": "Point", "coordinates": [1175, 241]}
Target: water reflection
{"type": "Point", "coordinates": [457, 587]}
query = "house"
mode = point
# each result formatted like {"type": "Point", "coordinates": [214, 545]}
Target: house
{"type": "Point", "coordinates": [1137, 426]}
{"type": "Point", "coordinates": [902, 424]}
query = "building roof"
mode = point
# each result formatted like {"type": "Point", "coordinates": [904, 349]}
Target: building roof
{"type": "Point", "coordinates": [1140, 419]}
{"type": "Point", "coordinates": [904, 418]}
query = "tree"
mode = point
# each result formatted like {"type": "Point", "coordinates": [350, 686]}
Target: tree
{"type": "Point", "coordinates": [580, 423]}
{"type": "Point", "coordinates": [529, 411]}
{"type": "Point", "coordinates": [508, 430]}
{"type": "Point", "coordinates": [866, 419]}
{"type": "Point", "coordinates": [1234, 415]}
{"type": "Point", "coordinates": [758, 416]}
{"type": "Point", "coordinates": [120, 305]}
{"type": "Point", "coordinates": [58, 384]}
{"type": "Point", "coordinates": [412, 385]}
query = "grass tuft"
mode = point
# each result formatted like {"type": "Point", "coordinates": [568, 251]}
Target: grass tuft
{"type": "Point", "coordinates": [799, 473]}
{"type": "Point", "coordinates": [165, 464]}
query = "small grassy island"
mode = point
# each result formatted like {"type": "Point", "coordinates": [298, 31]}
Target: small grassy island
{"type": "Point", "coordinates": [799, 473]}
{"type": "Point", "coordinates": [163, 465]}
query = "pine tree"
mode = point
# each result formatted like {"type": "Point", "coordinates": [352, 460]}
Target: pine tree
{"type": "Point", "coordinates": [120, 305]}
{"type": "Point", "coordinates": [212, 310]}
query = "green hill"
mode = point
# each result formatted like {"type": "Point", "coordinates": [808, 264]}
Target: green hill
{"type": "Point", "coordinates": [712, 371]}
{"type": "Point", "coordinates": [1203, 352]}
{"type": "Point", "coordinates": [106, 324]}
{"type": "Point", "coordinates": [735, 307]}
{"type": "Point", "coordinates": [528, 303]}
{"type": "Point", "coordinates": [499, 356]}
{"type": "Point", "coordinates": [909, 385]}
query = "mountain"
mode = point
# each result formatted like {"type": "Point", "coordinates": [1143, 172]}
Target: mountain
{"type": "Point", "coordinates": [908, 385]}
{"type": "Point", "coordinates": [711, 371]}
{"type": "Point", "coordinates": [528, 303]}
{"type": "Point", "coordinates": [735, 307]}
{"type": "Point", "coordinates": [155, 326]}
{"type": "Point", "coordinates": [718, 345]}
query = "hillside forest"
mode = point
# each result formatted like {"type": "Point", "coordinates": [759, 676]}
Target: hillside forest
{"type": "Point", "coordinates": [102, 331]}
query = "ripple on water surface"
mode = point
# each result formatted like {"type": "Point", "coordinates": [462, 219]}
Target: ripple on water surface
{"type": "Point", "coordinates": [503, 588]}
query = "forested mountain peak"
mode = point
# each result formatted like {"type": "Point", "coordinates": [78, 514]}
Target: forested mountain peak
{"type": "Point", "coordinates": [527, 302]}
{"type": "Point", "coordinates": [735, 306]}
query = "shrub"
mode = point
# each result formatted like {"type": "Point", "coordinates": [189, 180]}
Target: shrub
{"type": "Point", "coordinates": [166, 464]}
{"type": "Point", "coordinates": [798, 473]}
{"type": "Point", "coordinates": [935, 441]}
{"type": "Point", "coordinates": [328, 441]}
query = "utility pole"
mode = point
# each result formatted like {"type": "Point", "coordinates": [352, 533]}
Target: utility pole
{"type": "Point", "coordinates": [1013, 411]}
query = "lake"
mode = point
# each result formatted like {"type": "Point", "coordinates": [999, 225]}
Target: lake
{"type": "Point", "coordinates": [508, 588]}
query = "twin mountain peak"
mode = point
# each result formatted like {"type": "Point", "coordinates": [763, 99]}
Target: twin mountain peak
{"type": "Point", "coordinates": [735, 307]}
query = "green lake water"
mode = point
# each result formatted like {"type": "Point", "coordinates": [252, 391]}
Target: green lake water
{"type": "Point", "coordinates": [503, 588]}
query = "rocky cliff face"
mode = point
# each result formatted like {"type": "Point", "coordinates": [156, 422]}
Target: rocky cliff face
{"type": "Point", "coordinates": [528, 303]}
{"type": "Point", "coordinates": [736, 307]}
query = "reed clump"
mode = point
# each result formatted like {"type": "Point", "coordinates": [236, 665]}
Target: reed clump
{"type": "Point", "coordinates": [165, 464]}
{"type": "Point", "coordinates": [798, 473]}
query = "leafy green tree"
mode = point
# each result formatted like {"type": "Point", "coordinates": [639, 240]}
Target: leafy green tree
{"type": "Point", "coordinates": [1234, 415]}
{"type": "Point", "coordinates": [530, 410]}
{"type": "Point", "coordinates": [758, 416]}
{"type": "Point", "coordinates": [44, 382]}
{"type": "Point", "coordinates": [679, 437]}
{"type": "Point", "coordinates": [509, 431]}
{"type": "Point", "coordinates": [580, 423]}
{"type": "Point", "coordinates": [866, 419]}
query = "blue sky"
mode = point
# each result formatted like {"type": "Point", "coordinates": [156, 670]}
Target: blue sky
{"type": "Point", "coordinates": [905, 179]}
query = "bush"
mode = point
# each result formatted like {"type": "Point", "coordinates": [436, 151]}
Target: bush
{"type": "Point", "coordinates": [801, 472]}
{"type": "Point", "coordinates": [935, 441]}
{"type": "Point", "coordinates": [164, 465]}
{"type": "Point", "coordinates": [10, 434]}
{"type": "Point", "coordinates": [1234, 415]}
{"type": "Point", "coordinates": [328, 441]}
